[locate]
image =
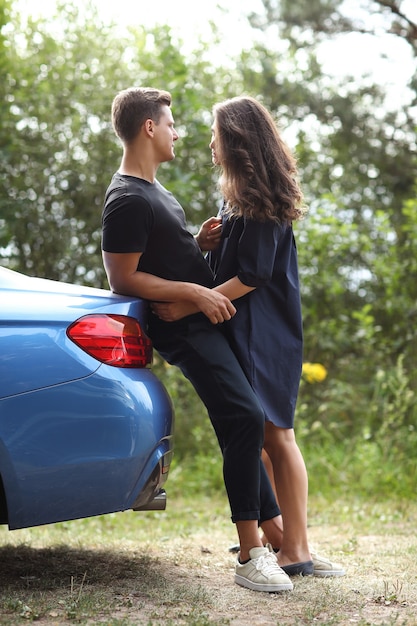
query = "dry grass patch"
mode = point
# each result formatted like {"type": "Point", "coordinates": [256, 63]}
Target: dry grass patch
{"type": "Point", "coordinates": [175, 568]}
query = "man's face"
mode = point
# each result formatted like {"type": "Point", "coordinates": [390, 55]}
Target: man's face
{"type": "Point", "coordinates": [165, 135]}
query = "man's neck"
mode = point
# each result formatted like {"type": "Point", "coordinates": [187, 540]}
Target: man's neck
{"type": "Point", "coordinates": [135, 167]}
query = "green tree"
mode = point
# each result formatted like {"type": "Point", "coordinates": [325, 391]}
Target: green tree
{"type": "Point", "coordinates": [6, 134]}
{"type": "Point", "coordinates": [51, 192]}
{"type": "Point", "coordinates": [63, 74]}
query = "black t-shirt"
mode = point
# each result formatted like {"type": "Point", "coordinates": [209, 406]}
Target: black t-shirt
{"type": "Point", "coordinates": [139, 216]}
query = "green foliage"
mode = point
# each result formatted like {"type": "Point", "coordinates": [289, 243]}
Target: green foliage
{"type": "Point", "coordinates": [58, 105]}
{"type": "Point", "coordinates": [61, 149]}
{"type": "Point", "coordinates": [349, 439]}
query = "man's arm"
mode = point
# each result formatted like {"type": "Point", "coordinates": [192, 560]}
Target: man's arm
{"type": "Point", "coordinates": [173, 311]}
{"type": "Point", "coordinates": [125, 279]}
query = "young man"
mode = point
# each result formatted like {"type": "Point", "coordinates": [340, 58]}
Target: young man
{"type": "Point", "coordinates": [148, 253]}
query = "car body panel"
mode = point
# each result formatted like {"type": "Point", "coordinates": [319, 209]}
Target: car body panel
{"type": "Point", "coordinates": [77, 437]}
{"type": "Point", "coordinates": [34, 315]}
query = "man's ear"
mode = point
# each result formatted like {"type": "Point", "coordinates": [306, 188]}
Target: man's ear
{"type": "Point", "coordinates": [149, 127]}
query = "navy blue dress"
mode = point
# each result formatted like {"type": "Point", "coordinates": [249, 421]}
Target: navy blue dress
{"type": "Point", "coordinates": [266, 332]}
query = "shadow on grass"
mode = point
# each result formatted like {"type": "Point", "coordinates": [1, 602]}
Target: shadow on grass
{"type": "Point", "coordinates": [87, 586]}
{"type": "Point", "coordinates": [41, 569]}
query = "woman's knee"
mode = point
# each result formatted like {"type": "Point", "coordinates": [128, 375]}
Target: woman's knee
{"type": "Point", "coordinates": [276, 437]}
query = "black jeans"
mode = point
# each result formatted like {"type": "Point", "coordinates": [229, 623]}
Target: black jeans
{"type": "Point", "coordinates": [204, 356]}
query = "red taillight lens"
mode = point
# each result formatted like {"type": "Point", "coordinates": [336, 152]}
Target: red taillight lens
{"type": "Point", "coordinates": [116, 340]}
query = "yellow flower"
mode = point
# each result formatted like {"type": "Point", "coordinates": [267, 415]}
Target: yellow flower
{"type": "Point", "coordinates": [314, 372]}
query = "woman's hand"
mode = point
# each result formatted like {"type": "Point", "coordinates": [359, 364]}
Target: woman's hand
{"type": "Point", "coordinates": [208, 237]}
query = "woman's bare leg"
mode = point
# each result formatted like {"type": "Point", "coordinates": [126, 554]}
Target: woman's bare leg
{"type": "Point", "coordinates": [291, 484]}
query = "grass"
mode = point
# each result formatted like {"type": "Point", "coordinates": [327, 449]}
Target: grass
{"type": "Point", "coordinates": [173, 567]}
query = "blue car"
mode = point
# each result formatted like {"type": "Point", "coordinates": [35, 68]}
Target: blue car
{"type": "Point", "coordinates": [86, 428]}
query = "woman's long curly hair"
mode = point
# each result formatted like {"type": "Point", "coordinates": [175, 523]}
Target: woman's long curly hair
{"type": "Point", "coordinates": [258, 172]}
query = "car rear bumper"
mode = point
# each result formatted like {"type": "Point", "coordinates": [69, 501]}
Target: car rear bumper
{"type": "Point", "coordinates": [109, 443]}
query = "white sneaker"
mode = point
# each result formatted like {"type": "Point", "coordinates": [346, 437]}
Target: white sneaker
{"type": "Point", "coordinates": [262, 572]}
{"type": "Point", "coordinates": [324, 567]}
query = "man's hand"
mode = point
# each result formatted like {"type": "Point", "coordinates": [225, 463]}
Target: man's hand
{"type": "Point", "coordinates": [217, 307]}
{"type": "Point", "coordinates": [208, 237]}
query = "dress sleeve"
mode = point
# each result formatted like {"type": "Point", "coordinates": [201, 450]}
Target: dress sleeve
{"type": "Point", "coordinates": [257, 250]}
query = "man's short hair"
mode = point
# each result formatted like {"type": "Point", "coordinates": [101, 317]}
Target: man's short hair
{"type": "Point", "coordinates": [133, 106]}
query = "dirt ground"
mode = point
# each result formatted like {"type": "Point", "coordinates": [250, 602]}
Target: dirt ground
{"type": "Point", "coordinates": [189, 581]}
{"type": "Point", "coordinates": [374, 591]}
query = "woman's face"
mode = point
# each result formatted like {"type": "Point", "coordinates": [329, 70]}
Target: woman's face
{"type": "Point", "coordinates": [212, 145]}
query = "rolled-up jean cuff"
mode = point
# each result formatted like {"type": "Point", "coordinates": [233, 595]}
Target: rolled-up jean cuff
{"type": "Point", "coordinates": [267, 515]}
{"type": "Point", "coordinates": [245, 516]}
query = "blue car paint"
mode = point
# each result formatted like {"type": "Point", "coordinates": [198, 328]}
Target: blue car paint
{"type": "Point", "coordinates": [77, 437]}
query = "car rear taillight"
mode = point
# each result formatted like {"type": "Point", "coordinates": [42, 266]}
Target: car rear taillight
{"type": "Point", "coordinates": [116, 340]}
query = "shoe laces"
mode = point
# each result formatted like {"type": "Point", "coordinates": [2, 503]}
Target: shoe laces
{"type": "Point", "coordinates": [267, 563]}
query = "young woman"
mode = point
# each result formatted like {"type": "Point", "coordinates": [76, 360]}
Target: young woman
{"type": "Point", "coordinates": [256, 264]}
